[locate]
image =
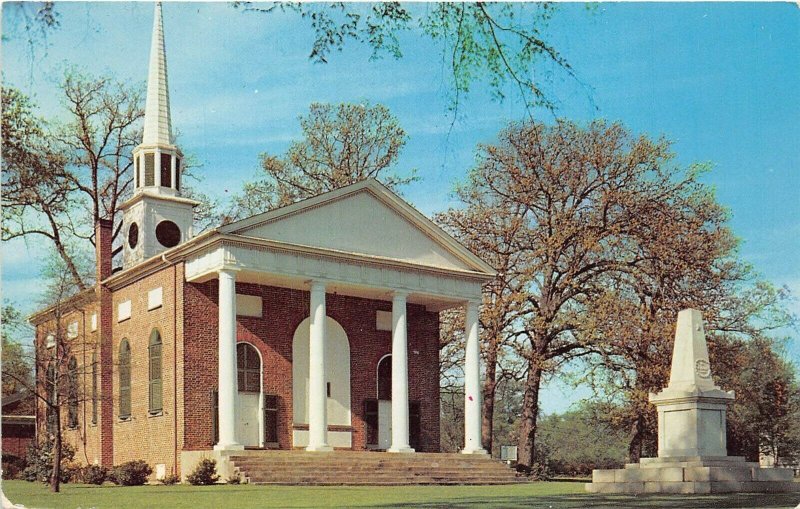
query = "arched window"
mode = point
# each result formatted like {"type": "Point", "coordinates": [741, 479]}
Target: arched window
{"type": "Point", "coordinates": [72, 393]}
{"type": "Point", "coordinates": [385, 378]}
{"type": "Point", "coordinates": [94, 387]}
{"type": "Point", "coordinates": [248, 368]}
{"type": "Point", "coordinates": [124, 379]}
{"type": "Point", "coordinates": [155, 372]}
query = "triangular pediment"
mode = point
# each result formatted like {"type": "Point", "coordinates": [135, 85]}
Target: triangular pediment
{"type": "Point", "coordinates": [363, 219]}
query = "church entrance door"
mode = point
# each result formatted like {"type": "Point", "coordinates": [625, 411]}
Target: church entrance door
{"type": "Point", "coordinates": [385, 402]}
{"type": "Point", "coordinates": [249, 428]}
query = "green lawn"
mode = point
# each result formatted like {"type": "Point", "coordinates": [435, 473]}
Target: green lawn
{"type": "Point", "coordinates": [554, 495]}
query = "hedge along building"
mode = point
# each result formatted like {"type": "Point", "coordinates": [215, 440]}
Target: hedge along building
{"type": "Point", "coordinates": [312, 326]}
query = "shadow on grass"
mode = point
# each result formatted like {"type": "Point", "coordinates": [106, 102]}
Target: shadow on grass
{"type": "Point", "coordinates": [726, 501]}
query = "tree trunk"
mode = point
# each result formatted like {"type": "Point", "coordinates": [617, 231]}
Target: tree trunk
{"type": "Point", "coordinates": [635, 445]}
{"type": "Point", "coordinates": [530, 411]}
{"type": "Point", "coordinates": [55, 480]}
{"type": "Point", "coordinates": [489, 387]}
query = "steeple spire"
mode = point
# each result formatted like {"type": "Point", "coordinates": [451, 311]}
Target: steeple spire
{"type": "Point", "coordinates": [157, 123]}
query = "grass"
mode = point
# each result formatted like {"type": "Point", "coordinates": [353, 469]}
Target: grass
{"type": "Point", "coordinates": [555, 495]}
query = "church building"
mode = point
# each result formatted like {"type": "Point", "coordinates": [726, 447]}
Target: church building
{"type": "Point", "coordinates": [313, 326]}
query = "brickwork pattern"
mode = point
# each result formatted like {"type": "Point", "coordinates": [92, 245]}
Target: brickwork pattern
{"type": "Point", "coordinates": [145, 436]}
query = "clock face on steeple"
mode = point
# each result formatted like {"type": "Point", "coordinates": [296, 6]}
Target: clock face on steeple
{"type": "Point", "coordinates": [168, 234]}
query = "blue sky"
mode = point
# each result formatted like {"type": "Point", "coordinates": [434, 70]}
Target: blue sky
{"type": "Point", "coordinates": [721, 80]}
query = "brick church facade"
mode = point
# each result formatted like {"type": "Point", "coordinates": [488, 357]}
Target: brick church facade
{"type": "Point", "coordinates": [314, 326]}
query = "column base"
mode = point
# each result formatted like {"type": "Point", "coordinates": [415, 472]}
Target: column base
{"type": "Point", "coordinates": [319, 448]}
{"type": "Point", "coordinates": [229, 447]}
{"type": "Point", "coordinates": [475, 451]}
{"type": "Point", "coordinates": [400, 449]}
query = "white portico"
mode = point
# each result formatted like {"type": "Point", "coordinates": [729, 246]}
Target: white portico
{"type": "Point", "coordinates": [361, 241]}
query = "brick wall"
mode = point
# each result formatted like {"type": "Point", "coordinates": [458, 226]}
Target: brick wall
{"type": "Point", "coordinates": [85, 438]}
{"type": "Point", "coordinates": [144, 436]}
{"type": "Point", "coordinates": [283, 311]}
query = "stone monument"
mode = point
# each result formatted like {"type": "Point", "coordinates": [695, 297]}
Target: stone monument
{"type": "Point", "coordinates": [692, 450]}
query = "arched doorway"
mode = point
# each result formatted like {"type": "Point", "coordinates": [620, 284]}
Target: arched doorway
{"type": "Point", "coordinates": [250, 426]}
{"type": "Point", "coordinates": [384, 383]}
{"type": "Point", "coordinates": [337, 367]}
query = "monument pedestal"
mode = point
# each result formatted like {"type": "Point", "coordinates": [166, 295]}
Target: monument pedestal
{"type": "Point", "coordinates": [693, 474]}
{"type": "Point", "coordinates": [692, 449]}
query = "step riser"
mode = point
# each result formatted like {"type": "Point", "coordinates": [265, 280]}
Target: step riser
{"type": "Point", "coordinates": [365, 469]}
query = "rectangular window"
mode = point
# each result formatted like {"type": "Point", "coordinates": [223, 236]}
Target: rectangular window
{"type": "Point", "coordinates": [166, 170]}
{"type": "Point", "coordinates": [270, 419]}
{"type": "Point", "coordinates": [154, 298]}
{"type": "Point", "coordinates": [371, 421]}
{"type": "Point", "coordinates": [214, 417]}
{"type": "Point", "coordinates": [149, 170]}
{"type": "Point", "coordinates": [123, 311]}
{"type": "Point", "coordinates": [94, 322]}
{"type": "Point", "coordinates": [414, 424]}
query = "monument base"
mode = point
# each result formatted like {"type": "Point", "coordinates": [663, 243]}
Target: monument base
{"type": "Point", "coordinates": [693, 474]}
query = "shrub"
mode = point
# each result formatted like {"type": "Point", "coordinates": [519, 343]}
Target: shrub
{"type": "Point", "coordinates": [13, 466]}
{"type": "Point", "coordinates": [204, 473]}
{"type": "Point", "coordinates": [170, 479]}
{"type": "Point", "coordinates": [40, 461]}
{"type": "Point", "coordinates": [234, 479]}
{"type": "Point", "coordinates": [132, 473]}
{"type": "Point", "coordinates": [94, 474]}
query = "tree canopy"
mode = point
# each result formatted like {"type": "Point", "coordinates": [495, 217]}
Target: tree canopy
{"type": "Point", "coordinates": [342, 144]}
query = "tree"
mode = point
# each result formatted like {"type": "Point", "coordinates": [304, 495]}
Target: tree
{"type": "Point", "coordinates": [341, 145]}
{"type": "Point", "coordinates": [583, 201]}
{"type": "Point", "coordinates": [498, 43]}
{"type": "Point", "coordinates": [54, 353]}
{"type": "Point", "coordinates": [62, 177]}
{"type": "Point", "coordinates": [17, 365]}
{"type": "Point", "coordinates": [502, 302]}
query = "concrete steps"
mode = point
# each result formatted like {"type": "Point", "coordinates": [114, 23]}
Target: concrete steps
{"type": "Point", "coordinates": [369, 468]}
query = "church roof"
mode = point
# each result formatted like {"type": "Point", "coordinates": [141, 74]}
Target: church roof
{"type": "Point", "coordinates": [364, 218]}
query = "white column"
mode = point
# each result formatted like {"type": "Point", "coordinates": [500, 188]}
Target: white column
{"type": "Point", "coordinates": [172, 159]}
{"type": "Point", "coordinates": [399, 375]}
{"type": "Point", "coordinates": [157, 168]}
{"type": "Point", "coordinates": [227, 362]}
{"type": "Point", "coordinates": [317, 389]}
{"type": "Point", "coordinates": [472, 383]}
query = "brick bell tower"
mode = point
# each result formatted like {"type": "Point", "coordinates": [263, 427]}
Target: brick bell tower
{"type": "Point", "coordinates": [157, 217]}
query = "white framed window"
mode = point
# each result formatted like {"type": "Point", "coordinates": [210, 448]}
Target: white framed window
{"type": "Point", "coordinates": [123, 310]}
{"type": "Point", "coordinates": [155, 298]}
{"type": "Point", "coordinates": [93, 322]}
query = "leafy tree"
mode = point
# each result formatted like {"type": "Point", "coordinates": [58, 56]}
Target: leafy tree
{"type": "Point", "coordinates": [495, 43]}
{"type": "Point", "coordinates": [583, 201]}
{"type": "Point", "coordinates": [62, 177]}
{"type": "Point", "coordinates": [764, 416]}
{"type": "Point", "coordinates": [341, 145]}
{"type": "Point", "coordinates": [581, 440]}
{"type": "Point", "coordinates": [17, 365]}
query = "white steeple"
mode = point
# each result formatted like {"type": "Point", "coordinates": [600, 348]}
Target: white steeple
{"type": "Point", "coordinates": [157, 124]}
{"type": "Point", "coordinates": [156, 218]}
